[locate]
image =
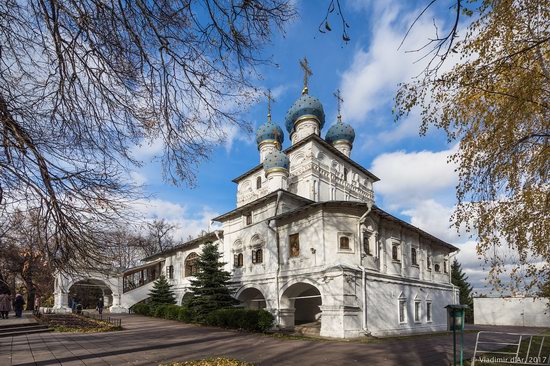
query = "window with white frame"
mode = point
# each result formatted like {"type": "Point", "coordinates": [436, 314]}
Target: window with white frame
{"type": "Point", "coordinates": [395, 252]}
{"type": "Point", "coordinates": [428, 311]}
{"type": "Point", "coordinates": [345, 242]}
{"type": "Point", "coordinates": [402, 310]}
{"type": "Point", "coordinates": [417, 309]}
{"type": "Point", "coordinates": [414, 257]}
{"type": "Point", "coordinates": [366, 242]}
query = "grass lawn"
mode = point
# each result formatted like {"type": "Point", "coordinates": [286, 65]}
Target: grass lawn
{"type": "Point", "coordinates": [491, 359]}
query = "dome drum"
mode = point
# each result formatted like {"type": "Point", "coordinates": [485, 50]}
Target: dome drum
{"type": "Point", "coordinates": [276, 161]}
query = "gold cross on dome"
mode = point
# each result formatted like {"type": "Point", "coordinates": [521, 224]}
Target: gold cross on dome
{"type": "Point", "coordinates": [339, 100]}
{"type": "Point", "coordinates": [307, 73]}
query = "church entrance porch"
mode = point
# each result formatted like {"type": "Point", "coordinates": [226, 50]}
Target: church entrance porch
{"type": "Point", "coordinates": [301, 306]}
{"type": "Point", "coordinates": [88, 292]}
{"type": "Point", "coordinates": [252, 298]}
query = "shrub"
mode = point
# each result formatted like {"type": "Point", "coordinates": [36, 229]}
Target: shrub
{"type": "Point", "coordinates": [247, 319]}
{"type": "Point", "coordinates": [142, 309]}
{"type": "Point", "coordinates": [160, 311]}
{"type": "Point", "coordinates": [185, 315]}
{"type": "Point", "coordinates": [172, 312]}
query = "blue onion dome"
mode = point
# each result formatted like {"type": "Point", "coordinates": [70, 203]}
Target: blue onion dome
{"type": "Point", "coordinates": [305, 105]}
{"type": "Point", "coordinates": [276, 159]}
{"type": "Point", "coordinates": [269, 131]}
{"type": "Point", "coordinates": [340, 131]}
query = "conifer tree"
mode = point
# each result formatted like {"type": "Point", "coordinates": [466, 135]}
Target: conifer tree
{"type": "Point", "coordinates": [162, 293]}
{"type": "Point", "coordinates": [210, 287]}
{"type": "Point", "coordinates": [459, 279]}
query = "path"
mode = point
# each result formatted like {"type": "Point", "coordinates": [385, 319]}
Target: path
{"type": "Point", "coordinates": [149, 341]}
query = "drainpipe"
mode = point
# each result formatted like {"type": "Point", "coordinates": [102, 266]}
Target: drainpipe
{"type": "Point", "coordinates": [363, 272]}
{"type": "Point", "coordinates": [276, 232]}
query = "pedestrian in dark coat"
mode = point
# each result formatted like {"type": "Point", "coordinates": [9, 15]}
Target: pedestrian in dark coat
{"type": "Point", "coordinates": [100, 305]}
{"type": "Point", "coordinates": [5, 305]}
{"type": "Point", "coordinates": [18, 304]}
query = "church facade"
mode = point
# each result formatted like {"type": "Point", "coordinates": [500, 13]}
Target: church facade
{"type": "Point", "coordinates": [307, 242]}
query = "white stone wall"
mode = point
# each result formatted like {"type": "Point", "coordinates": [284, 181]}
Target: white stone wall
{"type": "Point", "coordinates": [383, 295]}
{"type": "Point", "coordinates": [525, 312]}
{"type": "Point", "coordinates": [316, 173]}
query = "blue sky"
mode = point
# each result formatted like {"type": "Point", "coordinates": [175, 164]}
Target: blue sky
{"type": "Point", "coordinates": [416, 183]}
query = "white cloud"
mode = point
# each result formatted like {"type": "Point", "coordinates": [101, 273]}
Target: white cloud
{"type": "Point", "coordinates": [138, 178]}
{"type": "Point", "coordinates": [174, 213]}
{"type": "Point", "coordinates": [407, 178]}
{"type": "Point", "coordinates": [372, 79]}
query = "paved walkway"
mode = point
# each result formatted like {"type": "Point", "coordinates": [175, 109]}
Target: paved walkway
{"type": "Point", "coordinates": [149, 341]}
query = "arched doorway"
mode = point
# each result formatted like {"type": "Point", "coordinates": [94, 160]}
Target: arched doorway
{"type": "Point", "coordinates": [87, 293]}
{"type": "Point", "coordinates": [301, 304]}
{"type": "Point", "coordinates": [252, 298]}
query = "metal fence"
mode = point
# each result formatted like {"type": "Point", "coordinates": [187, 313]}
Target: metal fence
{"type": "Point", "coordinates": [117, 322]}
{"type": "Point", "coordinates": [511, 348]}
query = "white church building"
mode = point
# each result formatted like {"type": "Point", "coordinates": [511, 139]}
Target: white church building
{"type": "Point", "coordinates": [307, 242]}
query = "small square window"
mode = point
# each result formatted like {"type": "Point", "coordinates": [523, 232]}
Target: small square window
{"type": "Point", "coordinates": [344, 243]}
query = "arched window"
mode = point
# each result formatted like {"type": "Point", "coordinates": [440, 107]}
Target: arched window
{"type": "Point", "coordinates": [436, 266]}
{"type": "Point", "coordinates": [238, 260]}
{"type": "Point", "coordinates": [257, 256]}
{"type": "Point", "coordinates": [191, 264]}
{"type": "Point", "coordinates": [258, 182]}
{"type": "Point", "coordinates": [344, 243]}
{"type": "Point", "coordinates": [413, 257]}
{"type": "Point", "coordinates": [366, 242]}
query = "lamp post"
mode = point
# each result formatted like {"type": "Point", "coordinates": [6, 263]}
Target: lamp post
{"type": "Point", "coordinates": [455, 321]}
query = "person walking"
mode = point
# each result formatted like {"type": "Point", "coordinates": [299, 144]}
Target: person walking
{"type": "Point", "coordinates": [18, 304]}
{"type": "Point", "coordinates": [100, 305]}
{"type": "Point", "coordinates": [5, 305]}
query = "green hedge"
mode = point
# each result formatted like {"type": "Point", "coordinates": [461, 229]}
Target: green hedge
{"type": "Point", "coordinates": [185, 315]}
{"type": "Point", "coordinates": [236, 318]}
{"type": "Point", "coordinates": [142, 309]}
{"type": "Point", "coordinates": [247, 319]}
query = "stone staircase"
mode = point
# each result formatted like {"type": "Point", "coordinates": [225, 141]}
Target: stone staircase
{"type": "Point", "coordinates": [308, 329]}
{"type": "Point", "coordinates": [21, 328]}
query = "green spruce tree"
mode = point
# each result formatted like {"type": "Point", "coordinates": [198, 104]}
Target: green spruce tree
{"type": "Point", "coordinates": [209, 288]}
{"type": "Point", "coordinates": [162, 293]}
{"type": "Point", "coordinates": [459, 279]}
